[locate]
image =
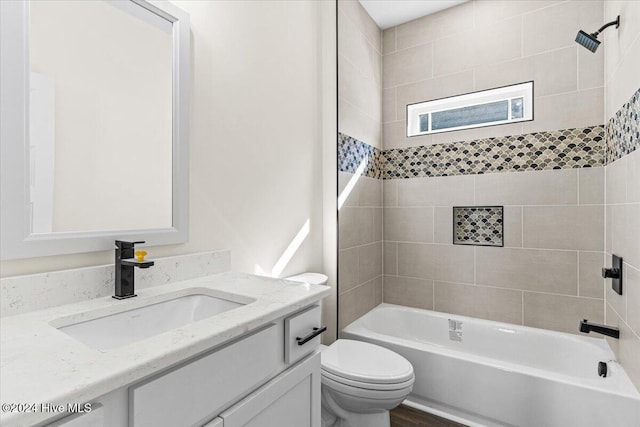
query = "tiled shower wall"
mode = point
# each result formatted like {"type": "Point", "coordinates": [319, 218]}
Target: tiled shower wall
{"type": "Point", "coordinates": [622, 74]}
{"type": "Point", "coordinates": [548, 174]}
{"type": "Point", "coordinates": [360, 124]}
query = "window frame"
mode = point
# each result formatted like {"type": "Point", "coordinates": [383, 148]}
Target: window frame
{"type": "Point", "coordinates": [509, 93]}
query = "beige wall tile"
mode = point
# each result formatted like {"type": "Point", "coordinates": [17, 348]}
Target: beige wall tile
{"type": "Point", "coordinates": [352, 198]}
{"type": "Point", "coordinates": [452, 263]}
{"type": "Point", "coordinates": [362, 20]}
{"type": "Point", "coordinates": [407, 66]}
{"type": "Point", "coordinates": [628, 353]}
{"type": "Point", "coordinates": [370, 193]}
{"type": "Point", "coordinates": [612, 319]}
{"type": "Point", "coordinates": [347, 227]}
{"type": "Point", "coordinates": [436, 191]}
{"type": "Point", "coordinates": [408, 224]}
{"type": "Point", "coordinates": [443, 225]}
{"type": "Point", "coordinates": [552, 72]}
{"type": "Point", "coordinates": [590, 68]}
{"type": "Point", "coordinates": [369, 261]}
{"type": "Point", "coordinates": [354, 122]}
{"type": "Point", "coordinates": [489, 11]}
{"type": "Point", "coordinates": [439, 87]}
{"type": "Point", "coordinates": [555, 27]}
{"type": "Point", "coordinates": [626, 233]}
{"type": "Point", "coordinates": [395, 136]}
{"type": "Point", "coordinates": [409, 292]}
{"type": "Point", "coordinates": [616, 181]}
{"type": "Point", "coordinates": [632, 284]}
{"type": "Point", "coordinates": [513, 226]}
{"type": "Point", "coordinates": [365, 225]}
{"type": "Point", "coordinates": [617, 302]}
{"type": "Point", "coordinates": [390, 192]}
{"type": "Point", "coordinates": [389, 40]}
{"type": "Point", "coordinates": [377, 224]}
{"type": "Point", "coordinates": [378, 289]}
{"type": "Point", "coordinates": [428, 28]}
{"type": "Point", "coordinates": [389, 105]}
{"type": "Point", "coordinates": [560, 313]}
{"type": "Point", "coordinates": [591, 283]}
{"type": "Point", "coordinates": [355, 47]}
{"type": "Point", "coordinates": [390, 255]}
{"type": "Point", "coordinates": [591, 186]}
{"type": "Point", "coordinates": [356, 302]}
{"type": "Point", "coordinates": [553, 187]}
{"type": "Point", "coordinates": [608, 238]}
{"type": "Point", "coordinates": [633, 177]}
{"type": "Point", "coordinates": [622, 62]}
{"type": "Point", "coordinates": [359, 89]}
{"type": "Point", "coordinates": [502, 305]}
{"type": "Point", "coordinates": [567, 110]}
{"type": "Point", "coordinates": [348, 269]}
{"type": "Point", "coordinates": [485, 45]}
{"type": "Point", "coordinates": [528, 269]}
{"type": "Point", "coordinates": [564, 227]}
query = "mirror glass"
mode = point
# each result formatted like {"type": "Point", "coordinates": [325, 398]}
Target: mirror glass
{"type": "Point", "coordinates": [100, 117]}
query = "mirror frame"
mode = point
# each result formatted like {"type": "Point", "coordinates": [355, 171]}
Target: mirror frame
{"type": "Point", "coordinates": [16, 240]}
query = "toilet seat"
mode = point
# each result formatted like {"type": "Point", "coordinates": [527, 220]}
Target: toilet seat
{"type": "Point", "coordinates": [365, 393]}
{"type": "Point", "coordinates": [365, 366]}
{"type": "Point", "coordinates": [365, 385]}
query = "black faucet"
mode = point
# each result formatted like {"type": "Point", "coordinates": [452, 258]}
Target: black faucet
{"type": "Point", "coordinates": [586, 327]}
{"type": "Point", "coordinates": [125, 285]}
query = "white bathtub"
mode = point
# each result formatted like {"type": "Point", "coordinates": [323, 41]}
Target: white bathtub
{"type": "Point", "coordinates": [500, 374]}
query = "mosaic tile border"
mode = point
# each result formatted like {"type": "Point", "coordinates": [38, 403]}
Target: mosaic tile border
{"type": "Point", "coordinates": [561, 149]}
{"type": "Point", "coordinates": [622, 135]}
{"type": "Point", "coordinates": [478, 225]}
{"type": "Point", "coordinates": [352, 152]}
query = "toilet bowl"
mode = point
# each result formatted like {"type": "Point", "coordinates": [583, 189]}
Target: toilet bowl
{"type": "Point", "coordinates": [361, 382]}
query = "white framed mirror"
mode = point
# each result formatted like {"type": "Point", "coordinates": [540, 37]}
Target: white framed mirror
{"type": "Point", "coordinates": [94, 125]}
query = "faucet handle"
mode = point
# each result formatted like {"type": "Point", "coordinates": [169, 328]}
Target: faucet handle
{"type": "Point", "coordinates": [121, 244]}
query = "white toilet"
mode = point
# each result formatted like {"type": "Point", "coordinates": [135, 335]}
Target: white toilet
{"type": "Point", "coordinates": [361, 382]}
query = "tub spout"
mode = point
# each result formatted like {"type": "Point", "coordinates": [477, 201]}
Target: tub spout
{"type": "Point", "coordinates": [586, 327]}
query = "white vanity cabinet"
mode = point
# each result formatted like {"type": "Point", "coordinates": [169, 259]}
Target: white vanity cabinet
{"type": "Point", "coordinates": [263, 378]}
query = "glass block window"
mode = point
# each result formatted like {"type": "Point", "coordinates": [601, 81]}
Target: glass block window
{"type": "Point", "coordinates": [502, 105]}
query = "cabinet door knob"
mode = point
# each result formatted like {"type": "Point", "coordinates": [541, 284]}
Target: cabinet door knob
{"type": "Point", "coordinates": [312, 335]}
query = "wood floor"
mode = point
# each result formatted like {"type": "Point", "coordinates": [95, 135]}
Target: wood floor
{"type": "Point", "coordinates": [404, 416]}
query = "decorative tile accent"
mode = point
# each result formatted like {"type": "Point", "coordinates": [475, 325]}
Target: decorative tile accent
{"type": "Point", "coordinates": [622, 134]}
{"type": "Point", "coordinates": [561, 149]}
{"type": "Point", "coordinates": [352, 152]}
{"type": "Point", "coordinates": [478, 225]}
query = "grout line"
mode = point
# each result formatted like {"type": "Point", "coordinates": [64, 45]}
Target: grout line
{"type": "Point", "coordinates": [522, 302]}
{"type": "Point", "coordinates": [497, 287]}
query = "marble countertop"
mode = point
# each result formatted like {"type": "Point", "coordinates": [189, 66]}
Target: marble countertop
{"type": "Point", "coordinates": [40, 364]}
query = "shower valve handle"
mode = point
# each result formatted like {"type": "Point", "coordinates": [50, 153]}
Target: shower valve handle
{"type": "Point", "coordinates": [612, 273]}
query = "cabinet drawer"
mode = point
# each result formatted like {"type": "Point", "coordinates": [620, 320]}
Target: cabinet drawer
{"type": "Point", "coordinates": [193, 392]}
{"type": "Point", "coordinates": [290, 399]}
{"type": "Point", "coordinates": [297, 326]}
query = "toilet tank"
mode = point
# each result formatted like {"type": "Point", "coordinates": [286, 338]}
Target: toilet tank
{"type": "Point", "coordinates": [311, 278]}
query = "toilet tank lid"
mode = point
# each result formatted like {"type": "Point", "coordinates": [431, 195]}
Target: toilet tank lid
{"type": "Point", "coordinates": [312, 278]}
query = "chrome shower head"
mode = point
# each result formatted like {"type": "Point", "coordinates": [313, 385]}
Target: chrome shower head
{"type": "Point", "coordinates": [590, 41]}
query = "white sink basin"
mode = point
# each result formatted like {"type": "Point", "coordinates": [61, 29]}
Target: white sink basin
{"type": "Point", "coordinates": [116, 330]}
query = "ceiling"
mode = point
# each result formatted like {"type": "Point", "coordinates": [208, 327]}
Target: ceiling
{"type": "Point", "coordinates": [389, 13]}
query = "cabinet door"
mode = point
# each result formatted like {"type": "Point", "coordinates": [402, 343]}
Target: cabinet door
{"type": "Point", "coordinates": [292, 399]}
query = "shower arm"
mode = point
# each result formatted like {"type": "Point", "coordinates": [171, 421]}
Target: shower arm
{"type": "Point", "coordinates": [616, 23]}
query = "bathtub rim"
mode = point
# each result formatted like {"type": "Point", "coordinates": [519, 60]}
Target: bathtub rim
{"type": "Point", "coordinates": [626, 388]}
